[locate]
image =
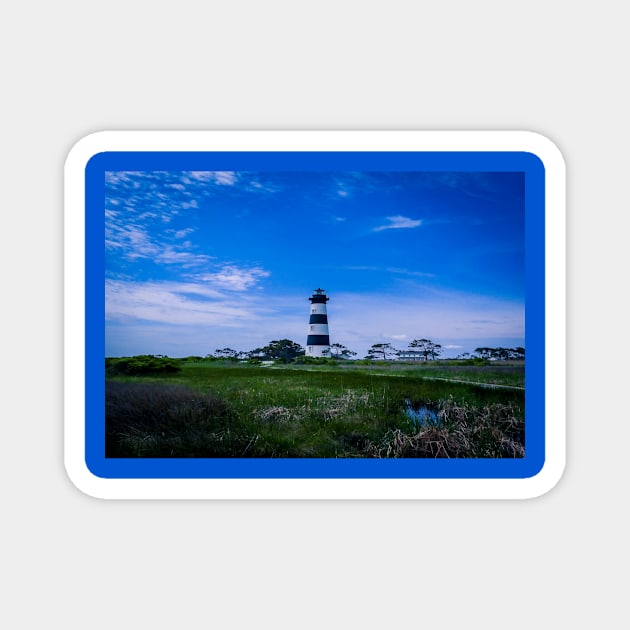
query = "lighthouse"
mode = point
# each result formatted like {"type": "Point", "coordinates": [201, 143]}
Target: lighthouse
{"type": "Point", "coordinates": [318, 341]}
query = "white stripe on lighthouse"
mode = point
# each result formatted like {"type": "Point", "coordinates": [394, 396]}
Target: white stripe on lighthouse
{"type": "Point", "coordinates": [318, 309]}
{"type": "Point", "coordinates": [318, 329]}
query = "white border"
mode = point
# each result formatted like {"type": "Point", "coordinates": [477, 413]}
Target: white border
{"type": "Point", "coordinates": [555, 315]}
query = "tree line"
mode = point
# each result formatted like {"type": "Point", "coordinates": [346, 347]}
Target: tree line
{"type": "Point", "coordinates": [279, 349]}
{"type": "Point", "coordinates": [497, 353]}
{"type": "Point", "coordinates": [419, 349]}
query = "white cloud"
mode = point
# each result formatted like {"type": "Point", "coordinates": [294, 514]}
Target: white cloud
{"type": "Point", "coordinates": [235, 278]}
{"type": "Point", "coordinates": [133, 242]}
{"type": "Point", "coordinates": [222, 178]}
{"type": "Point", "coordinates": [351, 184]}
{"type": "Point", "coordinates": [171, 256]}
{"type": "Point", "coordinates": [408, 272]}
{"type": "Point", "coordinates": [218, 299]}
{"type": "Point", "coordinates": [176, 303]}
{"type": "Point", "coordinates": [256, 186]}
{"type": "Point", "coordinates": [397, 222]}
{"type": "Point", "coordinates": [132, 239]}
{"type": "Point", "coordinates": [183, 233]}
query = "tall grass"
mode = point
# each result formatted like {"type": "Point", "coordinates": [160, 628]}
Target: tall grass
{"type": "Point", "coordinates": [151, 420]}
{"type": "Point", "coordinates": [494, 431]}
{"type": "Point", "coordinates": [258, 412]}
{"type": "Point", "coordinates": [507, 374]}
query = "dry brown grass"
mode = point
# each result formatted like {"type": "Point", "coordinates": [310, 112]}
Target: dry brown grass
{"type": "Point", "coordinates": [463, 432]}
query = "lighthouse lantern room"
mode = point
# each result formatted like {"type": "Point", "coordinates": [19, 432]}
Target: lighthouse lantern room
{"type": "Point", "coordinates": [318, 340]}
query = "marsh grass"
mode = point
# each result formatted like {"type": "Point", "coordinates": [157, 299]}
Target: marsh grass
{"type": "Point", "coordinates": [165, 420]}
{"type": "Point", "coordinates": [245, 411]}
{"type": "Point", "coordinates": [494, 431]}
{"type": "Point", "coordinates": [511, 374]}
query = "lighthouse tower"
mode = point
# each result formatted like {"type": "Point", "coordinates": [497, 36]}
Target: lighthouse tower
{"type": "Point", "coordinates": [318, 341]}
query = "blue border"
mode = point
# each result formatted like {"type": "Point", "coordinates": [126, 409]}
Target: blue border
{"type": "Point", "coordinates": [308, 468]}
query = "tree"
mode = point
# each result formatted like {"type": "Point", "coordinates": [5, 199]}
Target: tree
{"type": "Point", "coordinates": [280, 349]}
{"type": "Point", "coordinates": [226, 353]}
{"type": "Point", "coordinates": [428, 348]}
{"type": "Point", "coordinates": [483, 352]}
{"type": "Point", "coordinates": [256, 353]}
{"type": "Point", "coordinates": [339, 351]}
{"type": "Point", "coordinates": [381, 351]}
{"type": "Point", "coordinates": [501, 353]}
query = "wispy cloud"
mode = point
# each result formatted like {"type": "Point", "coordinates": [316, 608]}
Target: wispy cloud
{"type": "Point", "coordinates": [169, 255]}
{"type": "Point", "coordinates": [220, 178]}
{"type": "Point", "coordinates": [234, 278]}
{"type": "Point", "coordinates": [133, 239]}
{"type": "Point", "coordinates": [141, 205]}
{"type": "Point", "coordinates": [410, 272]}
{"type": "Point", "coordinates": [179, 303]}
{"type": "Point", "coordinates": [398, 271]}
{"type": "Point", "coordinates": [165, 194]}
{"type": "Point", "coordinates": [182, 233]}
{"type": "Point", "coordinates": [346, 185]}
{"type": "Point", "coordinates": [398, 222]}
{"type": "Point", "coordinates": [353, 184]}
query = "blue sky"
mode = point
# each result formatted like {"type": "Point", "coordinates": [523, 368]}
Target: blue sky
{"type": "Point", "coordinates": [200, 260]}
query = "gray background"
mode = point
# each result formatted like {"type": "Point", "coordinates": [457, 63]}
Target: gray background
{"type": "Point", "coordinates": [71, 68]}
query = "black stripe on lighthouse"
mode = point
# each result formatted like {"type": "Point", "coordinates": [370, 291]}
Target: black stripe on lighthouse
{"type": "Point", "coordinates": [318, 319]}
{"type": "Point", "coordinates": [318, 340]}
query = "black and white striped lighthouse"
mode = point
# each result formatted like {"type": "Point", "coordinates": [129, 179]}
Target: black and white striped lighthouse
{"type": "Point", "coordinates": [318, 341]}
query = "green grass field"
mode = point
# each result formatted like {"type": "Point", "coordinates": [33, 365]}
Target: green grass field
{"type": "Point", "coordinates": [223, 409]}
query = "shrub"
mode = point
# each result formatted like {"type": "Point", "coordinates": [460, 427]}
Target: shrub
{"type": "Point", "coordinates": [141, 365]}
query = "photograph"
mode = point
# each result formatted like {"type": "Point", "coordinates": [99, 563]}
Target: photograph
{"type": "Point", "coordinates": [314, 314]}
